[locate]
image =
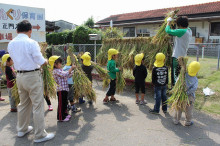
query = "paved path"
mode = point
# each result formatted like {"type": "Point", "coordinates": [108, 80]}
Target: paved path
{"type": "Point", "coordinates": [122, 124]}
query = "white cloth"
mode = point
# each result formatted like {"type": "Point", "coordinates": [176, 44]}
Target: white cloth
{"type": "Point", "coordinates": [25, 53]}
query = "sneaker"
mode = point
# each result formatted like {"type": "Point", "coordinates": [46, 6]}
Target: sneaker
{"type": "Point", "coordinates": [68, 116]}
{"type": "Point", "coordinates": [152, 111]}
{"type": "Point", "coordinates": [48, 137]}
{"type": "Point", "coordinates": [142, 102]}
{"type": "Point", "coordinates": [21, 134]}
{"type": "Point", "coordinates": [69, 107]}
{"type": "Point", "coordinates": [90, 102]}
{"type": "Point", "coordinates": [13, 110]}
{"type": "Point", "coordinates": [2, 99]}
{"type": "Point", "coordinates": [50, 108]}
{"type": "Point", "coordinates": [66, 119]}
{"type": "Point", "coordinates": [137, 101]}
{"type": "Point", "coordinates": [189, 124]}
{"type": "Point", "coordinates": [175, 122]}
{"type": "Point", "coordinates": [75, 109]}
{"type": "Point", "coordinates": [81, 101]}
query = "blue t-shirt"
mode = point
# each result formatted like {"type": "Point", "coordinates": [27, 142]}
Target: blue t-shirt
{"type": "Point", "coordinates": [69, 80]}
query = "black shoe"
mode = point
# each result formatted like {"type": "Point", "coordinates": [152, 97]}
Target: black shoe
{"type": "Point", "coordinates": [152, 111]}
{"type": "Point", "coordinates": [164, 112]}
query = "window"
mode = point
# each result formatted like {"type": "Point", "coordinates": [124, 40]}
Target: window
{"type": "Point", "coordinates": [193, 31]}
{"type": "Point", "coordinates": [143, 33]}
{"type": "Point", "coordinates": [129, 31]}
{"type": "Point", "coordinates": [215, 28]}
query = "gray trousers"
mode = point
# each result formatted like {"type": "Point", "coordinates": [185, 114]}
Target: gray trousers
{"type": "Point", "coordinates": [11, 99]}
{"type": "Point", "coordinates": [188, 112]}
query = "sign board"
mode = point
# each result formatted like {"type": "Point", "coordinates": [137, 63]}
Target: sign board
{"type": "Point", "coordinates": [11, 15]}
{"type": "Point", "coordinates": [94, 37]}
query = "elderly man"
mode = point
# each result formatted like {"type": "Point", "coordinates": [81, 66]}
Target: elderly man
{"type": "Point", "coordinates": [27, 58]}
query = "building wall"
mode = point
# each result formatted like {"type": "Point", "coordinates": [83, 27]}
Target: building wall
{"type": "Point", "coordinates": [202, 27]}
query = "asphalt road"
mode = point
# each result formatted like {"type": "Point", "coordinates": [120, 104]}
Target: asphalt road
{"type": "Point", "coordinates": [114, 124]}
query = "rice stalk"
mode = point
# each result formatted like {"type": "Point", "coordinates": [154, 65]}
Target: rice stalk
{"type": "Point", "coordinates": [179, 99]}
{"type": "Point", "coordinates": [15, 94]}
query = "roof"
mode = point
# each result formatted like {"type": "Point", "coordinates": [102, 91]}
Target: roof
{"type": "Point", "coordinates": [189, 10]}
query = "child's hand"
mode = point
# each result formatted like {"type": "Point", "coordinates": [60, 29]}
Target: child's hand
{"type": "Point", "coordinates": [120, 68]}
{"type": "Point", "coordinates": [73, 66]}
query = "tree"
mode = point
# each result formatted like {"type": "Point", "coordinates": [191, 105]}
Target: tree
{"type": "Point", "coordinates": [90, 22]}
{"type": "Point", "coordinates": [112, 33]}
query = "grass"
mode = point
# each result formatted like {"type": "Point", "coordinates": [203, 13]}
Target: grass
{"type": "Point", "coordinates": [208, 76]}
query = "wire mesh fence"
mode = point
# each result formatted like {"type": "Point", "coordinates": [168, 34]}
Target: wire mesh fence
{"type": "Point", "coordinates": [199, 51]}
{"type": "Point", "coordinates": [61, 50]}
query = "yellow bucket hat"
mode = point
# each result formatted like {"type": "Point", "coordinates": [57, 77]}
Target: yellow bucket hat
{"type": "Point", "coordinates": [68, 61]}
{"type": "Point", "coordinates": [86, 59]}
{"type": "Point", "coordinates": [160, 57]}
{"type": "Point", "coordinates": [138, 58]}
{"type": "Point", "coordinates": [4, 59]}
{"type": "Point", "coordinates": [111, 52]}
{"type": "Point", "coordinates": [193, 68]}
{"type": "Point", "coordinates": [52, 59]}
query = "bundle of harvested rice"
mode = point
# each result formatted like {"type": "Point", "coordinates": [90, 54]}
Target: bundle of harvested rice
{"type": "Point", "coordinates": [120, 80]}
{"type": "Point", "coordinates": [162, 37]}
{"type": "Point", "coordinates": [48, 80]}
{"type": "Point", "coordinates": [82, 85]}
{"type": "Point", "coordinates": [15, 94]}
{"type": "Point", "coordinates": [179, 98]}
{"type": "Point", "coordinates": [103, 74]}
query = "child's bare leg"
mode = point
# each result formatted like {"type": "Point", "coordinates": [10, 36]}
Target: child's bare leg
{"type": "Point", "coordinates": [137, 96]}
{"type": "Point", "coordinates": [142, 96]}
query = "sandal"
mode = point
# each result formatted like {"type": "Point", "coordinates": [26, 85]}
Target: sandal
{"type": "Point", "coordinates": [114, 100]}
{"type": "Point", "coordinates": [105, 100]}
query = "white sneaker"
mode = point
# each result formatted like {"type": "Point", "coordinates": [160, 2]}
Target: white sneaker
{"type": "Point", "coordinates": [175, 122]}
{"type": "Point", "coordinates": [21, 134]}
{"type": "Point", "coordinates": [48, 137]}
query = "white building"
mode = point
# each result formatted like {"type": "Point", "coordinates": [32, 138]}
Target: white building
{"type": "Point", "coordinates": [204, 20]}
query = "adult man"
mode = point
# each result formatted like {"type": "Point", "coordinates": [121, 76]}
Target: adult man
{"type": "Point", "coordinates": [182, 38]}
{"type": "Point", "coordinates": [27, 58]}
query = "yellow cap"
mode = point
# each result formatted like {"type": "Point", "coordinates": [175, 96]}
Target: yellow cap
{"type": "Point", "coordinates": [138, 58]}
{"type": "Point", "coordinates": [68, 61]}
{"type": "Point", "coordinates": [4, 59]}
{"type": "Point", "coordinates": [193, 68]}
{"type": "Point", "coordinates": [87, 53]}
{"type": "Point", "coordinates": [52, 59]}
{"type": "Point", "coordinates": [111, 52]}
{"type": "Point", "coordinates": [160, 57]}
{"type": "Point", "coordinates": [86, 59]}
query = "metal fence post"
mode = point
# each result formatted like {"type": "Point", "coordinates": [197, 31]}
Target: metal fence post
{"type": "Point", "coordinates": [197, 53]}
{"type": "Point", "coordinates": [218, 56]}
{"type": "Point", "coordinates": [203, 51]}
{"type": "Point", "coordinates": [95, 52]}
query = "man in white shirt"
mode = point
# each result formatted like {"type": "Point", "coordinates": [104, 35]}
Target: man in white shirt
{"type": "Point", "coordinates": [27, 58]}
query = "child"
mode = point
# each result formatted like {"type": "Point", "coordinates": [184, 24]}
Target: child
{"type": "Point", "coordinates": [71, 88]}
{"type": "Point", "coordinates": [60, 77]}
{"type": "Point", "coordinates": [2, 52]}
{"type": "Point", "coordinates": [10, 76]}
{"type": "Point", "coordinates": [87, 67]}
{"type": "Point", "coordinates": [111, 67]}
{"type": "Point", "coordinates": [191, 85]}
{"type": "Point", "coordinates": [140, 73]}
{"type": "Point", "coordinates": [182, 38]}
{"type": "Point", "coordinates": [47, 99]}
{"type": "Point", "coordinates": [160, 81]}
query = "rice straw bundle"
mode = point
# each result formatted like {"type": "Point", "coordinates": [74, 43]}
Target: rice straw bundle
{"type": "Point", "coordinates": [179, 98]}
{"type": "Point", "coordinates": [82, 85]}
{"type": "Point", "coordinates": [120, 81]}
{"type": "Point", "coordinates": [162, 37]}
{"type": "Point", "coordinates": [48, 80]}
{"type": "Point", "coordinates": [103, 74]}
{"type": "Point", "coordinates": [15, 94]}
